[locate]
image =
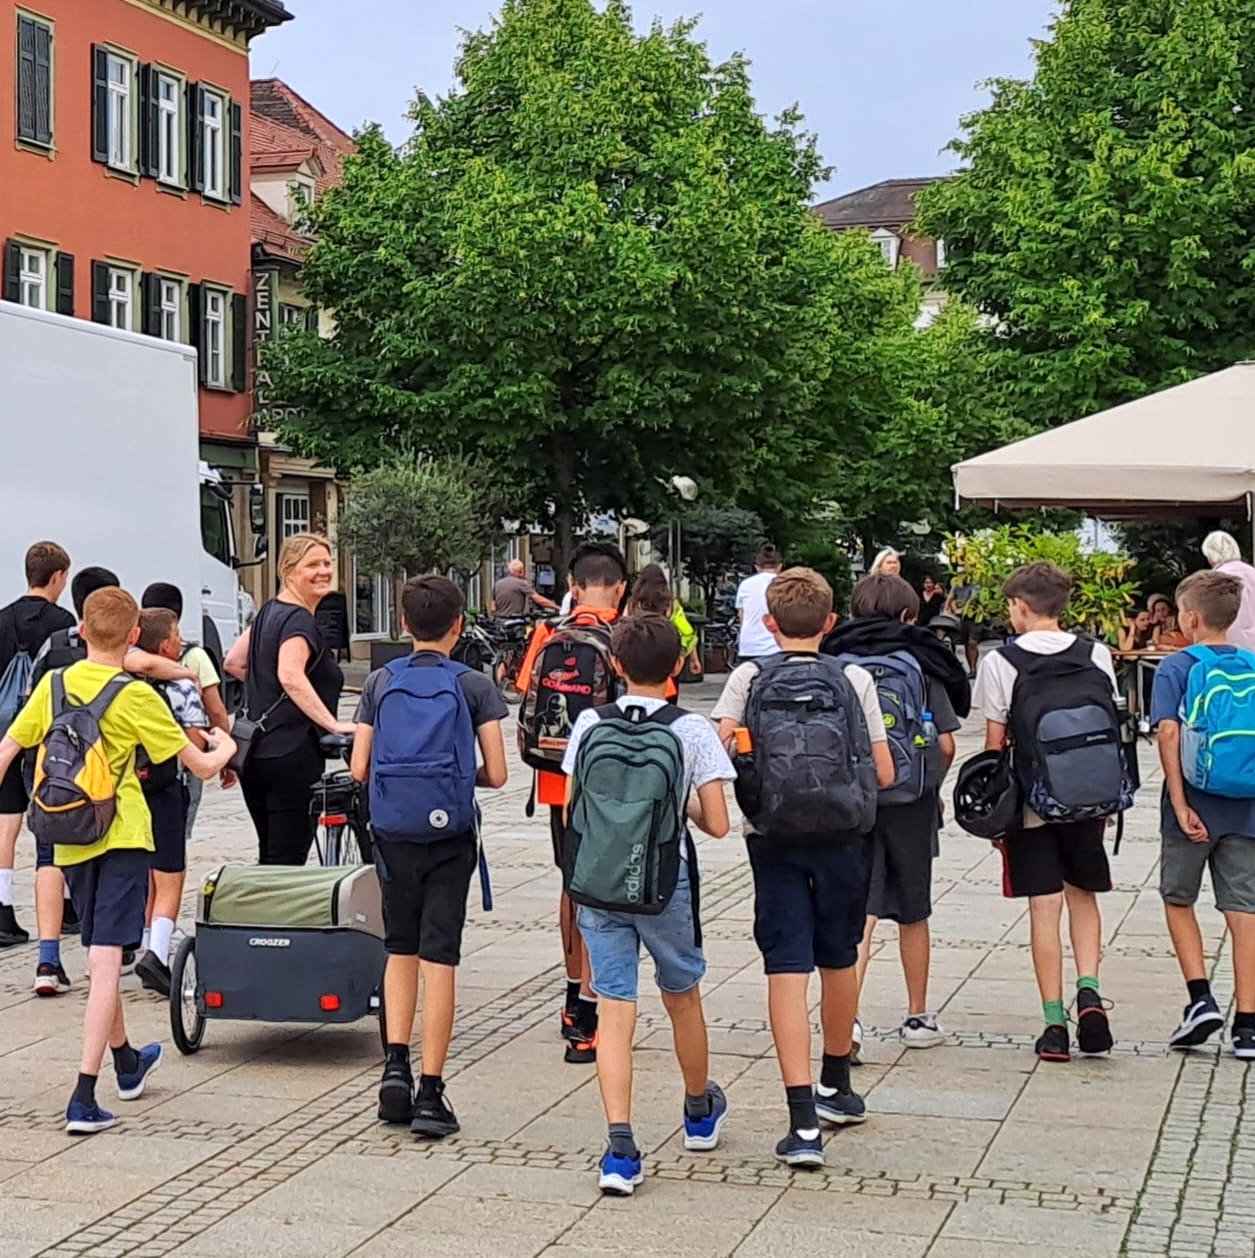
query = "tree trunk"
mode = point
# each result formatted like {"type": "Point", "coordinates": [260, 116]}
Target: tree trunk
{"type": "Point", "coordinates": [563, 514]}
{"type": "Point", "coordinates": [394, 614]}
{"type": "Point", "coordinates": [870, 550]}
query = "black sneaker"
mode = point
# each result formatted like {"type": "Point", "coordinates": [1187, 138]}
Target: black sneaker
{"type": "Point", "coordinates": [571, 1018]}
{"type": "Point", "coordinates": [153, 975]}
{"type": "Point", "coordinates": [1244, 1042]}
{"type": "Point", "coordinates": [801, 1149]}
{"type": "Point", "coordinates": [1093, 1031]}
{"type": "Point", "coordinates": [396, 1093]}
{"type": "Point", "coordinates": [128, 960]}
{"type": "Point", "coordinates": [50, 980]}
{"type": "Point", "coordinates": [11, 934]}
{"type": "Point", "coordinates": [841, 1108]}
{"type": "Point", "coordinates": [1200, 1021]}
{"type": "Point", "coordinates": [581, 1051]}
{"type": "Point", "coordinates": [1053, 1044]}
{"type": "Point", "coordinates": [433, 1118]}
{"type": "Point", "coordinates": [70, 924]}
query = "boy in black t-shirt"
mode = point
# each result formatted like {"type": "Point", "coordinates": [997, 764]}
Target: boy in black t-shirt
{"type": "Point", "coordinates": [425, 883]}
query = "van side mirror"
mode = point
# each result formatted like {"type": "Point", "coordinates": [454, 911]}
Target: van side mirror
{"type": "Point", "coordinates": [257, 508]}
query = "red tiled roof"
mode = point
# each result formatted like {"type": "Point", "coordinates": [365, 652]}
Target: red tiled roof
{"type": "Point", "coordinates": [274, 233]}
{"type": "Point", "coordinates": [285, 120]}
{"type": "Point", "coordinates": [890, 203]}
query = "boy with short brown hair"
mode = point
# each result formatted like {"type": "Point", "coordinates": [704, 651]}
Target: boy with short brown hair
{"type": "Point", "coordinates": [108, 877]}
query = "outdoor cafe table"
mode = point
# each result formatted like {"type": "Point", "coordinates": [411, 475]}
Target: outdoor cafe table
{"type": "Point", "coordinates": [1145, 663]}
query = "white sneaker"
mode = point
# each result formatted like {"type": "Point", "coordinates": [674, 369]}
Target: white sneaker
{"type": "Point", "coordinates": [920, 1030]}
{"type": "Point", "coordinates": [856, 1043]}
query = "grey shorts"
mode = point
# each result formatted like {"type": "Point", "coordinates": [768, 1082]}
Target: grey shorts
{"type": "Point", "coordinates": [1231, 859]}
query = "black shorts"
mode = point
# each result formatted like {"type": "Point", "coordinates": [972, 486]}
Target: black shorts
{"type": "Point", "coordinates": [169, 813]}
{"type": "Point", "coordinates": [903, 842]}
{"type": "Point", "coordinates": [810, 903]}
{"type": "Point", "coordinates": [110, 894]}
{"type": "Point", "coordinates": [13, 797]}
{"type": "Point", "coordinates": [1039, 861]}
{"type": "Point", "coordinates": [424, 896]}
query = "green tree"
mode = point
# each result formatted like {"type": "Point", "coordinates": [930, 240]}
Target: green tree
{"type": "Point", "coordinates": [594, 266]}
{"type": "Point", "coordinates": [717, 542]}
{"type": "Point", "coordinates": [1105, 218]}
{"type": "Point", "coordinates": [408, 516]}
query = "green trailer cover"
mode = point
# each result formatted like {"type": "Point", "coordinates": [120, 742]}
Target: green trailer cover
{"type": "Point", "coordinates": [308, 897]}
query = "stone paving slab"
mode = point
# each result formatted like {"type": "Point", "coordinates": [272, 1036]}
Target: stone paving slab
{"type": "Point", "coordinates": [266, 1142]}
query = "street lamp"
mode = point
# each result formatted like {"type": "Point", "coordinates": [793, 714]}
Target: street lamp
{"type": "Point", "coordinates": [685, 488]}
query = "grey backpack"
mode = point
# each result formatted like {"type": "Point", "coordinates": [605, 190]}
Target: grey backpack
{"type": "Point", "coordinates": [809, 774]}
{"type": "Point", "coordinates": [627, 813]}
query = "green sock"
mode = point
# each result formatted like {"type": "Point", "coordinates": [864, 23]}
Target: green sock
{"type": "Point", "coordinates": [1086, 982]}
{"type": "Point", "coordinates": [1055, 1015]}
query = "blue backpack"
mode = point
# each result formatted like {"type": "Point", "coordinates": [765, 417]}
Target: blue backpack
{"type": "Point", "coordinates": [422, 766]}
{"type": "Point", "coordinates": [1218, 722]}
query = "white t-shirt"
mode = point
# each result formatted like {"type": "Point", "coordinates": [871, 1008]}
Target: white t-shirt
{"type": "Point", "coordinates": [751, 602]}
{"type": "Point", "coordinates": [705, 759]}
{"type": "Point", "coordinates": [996, 679]}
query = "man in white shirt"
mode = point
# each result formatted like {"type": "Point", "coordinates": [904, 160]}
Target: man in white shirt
{"type": "Point", "coordinates": [755, 639]}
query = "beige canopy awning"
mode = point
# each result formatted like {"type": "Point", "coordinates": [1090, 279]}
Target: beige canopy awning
{"type": "Point", "coordinates": [1186, 449]}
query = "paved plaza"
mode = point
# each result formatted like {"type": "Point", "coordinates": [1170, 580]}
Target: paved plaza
{"type": "Point", "coordinates": [265, 1143]}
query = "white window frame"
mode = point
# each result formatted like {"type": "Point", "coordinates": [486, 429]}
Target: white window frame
{"type": "Point", "coordinates": [298, 520]}
{"type": "Point", "coordinates": [890, 246]}
{"type": "Point", "coordinates": [33, 277]}
{"type": "Point", "coordinates": [214, 145]}
{"type": "Point", "coordinates": [171, 309]}
{"type": "Point", "coordinates": [941, 255]}
{"type": "Point", "coordinates": [291, 316]}
{"type": "Point", "coordinates": [381, 606]}
{"type": "Point", "coordinates": [169, 128]}
{"type": "Point", "coordinates": [120, 107]}
{"type": "Point", "coordinates": [217, 312]}
{"type": "Point", "coordinates": [122, 298]}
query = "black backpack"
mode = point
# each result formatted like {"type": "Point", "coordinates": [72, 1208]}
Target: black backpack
{"type": "Point", "coordinates": [809, 773]}
{"type": "Point", "coordinates": [63, 648]}
{"type": "Point", "coordinates": [154, 778]}
{"type": "Point", "coordinates": [572, 673]}
{"type": "Point", "coordinates": [1065, 735]}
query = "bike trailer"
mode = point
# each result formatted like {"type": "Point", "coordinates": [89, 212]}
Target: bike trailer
{"type": "Point", "coordinates": [282, 943]}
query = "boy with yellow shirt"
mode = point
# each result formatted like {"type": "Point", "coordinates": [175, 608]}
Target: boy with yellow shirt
{"type": "Point", "coordinates": [108, 879]}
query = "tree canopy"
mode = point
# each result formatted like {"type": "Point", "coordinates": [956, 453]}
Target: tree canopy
{"type": "Point", "coordinates": [593, 265]}
{"type": "Point", "coordinates": [1105, 217]}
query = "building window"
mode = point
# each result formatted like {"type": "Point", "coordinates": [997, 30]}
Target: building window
{"type": "Point", "coordinates": [291, 316]}
{"type": "Point", "coordinates": [33, 278]}
{"type": "Point", "coordinates": [120, 75]}
{"type": "Point", "coordinates": [171, 310]}
{"type": "Point", "coordinates": [293, 514]}
{"type": "Point", "coordinates": [34, 80]}
{"type": "Point", "coordinates": [889, 246]}
{"type": "Point", "coordinates": [169, 157]}
{"type": "Point", "coordinates": [215, 339]}
{"type": "Point", "coordinates": [121, 298]}
{"type": "Point", "coordinates": [212, 140]}
{"type": "Point", "coordinates": [941, 255]}
{"type": "Point", "coordinates": [372, 603]}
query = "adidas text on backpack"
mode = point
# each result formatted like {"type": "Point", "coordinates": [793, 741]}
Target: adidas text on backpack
{"type": "Point", "coordinates": [422, 760]}
{"type": "Point", "coordinates": [627, 817]}
{"type": "Point", "coordinates": [1218, 722]}
{"type": "Point", "coordinates": [810, 773]}
{"type": "Point", "coordinates": [1065, 735]}
{"type": "Point", "coordinates": [572, 673]}
{"type": "Point", "coordinates": [74, 801]}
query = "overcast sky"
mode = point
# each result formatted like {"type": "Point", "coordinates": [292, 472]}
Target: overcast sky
{"type": "Point", "coordinates": [882, 82]}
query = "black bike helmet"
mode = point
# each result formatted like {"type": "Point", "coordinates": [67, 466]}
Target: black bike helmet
{"type": "Point", "coordinates": [987, 799]}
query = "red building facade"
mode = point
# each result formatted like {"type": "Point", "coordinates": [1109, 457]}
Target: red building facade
{"type": "Point", "coordinates": [124, 165]}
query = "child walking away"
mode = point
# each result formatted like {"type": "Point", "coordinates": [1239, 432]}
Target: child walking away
{"type": "Point", "coordinates": [88, 721]}
{"type": "Point", "coordinates": [923, 692]}
{"type": "Point", "coordinates": [419, 722]}
{"type": "Point", "coordinates": [565, 672]}
{"type": "Point", "coordinates": [1204, 707]}
{"type": "Point", "coordinates": [165, 792]}
{"type": "Point", "coordinates": [1051, 694]}
{"type": "Point", "coordinates": [812, 752]}
{"type": "Point", "coordinates": [638, 768]}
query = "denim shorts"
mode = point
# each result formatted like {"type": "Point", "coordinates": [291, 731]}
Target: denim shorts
{"type": "Point", "coordinates": [614, 945]}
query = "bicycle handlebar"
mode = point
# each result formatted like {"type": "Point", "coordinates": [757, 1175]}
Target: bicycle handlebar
{"type": "Point", "coordinates": [333, 745]}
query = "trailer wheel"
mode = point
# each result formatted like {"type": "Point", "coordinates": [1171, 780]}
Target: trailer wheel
{"type": "Point", "coordinates": [187, 1021]}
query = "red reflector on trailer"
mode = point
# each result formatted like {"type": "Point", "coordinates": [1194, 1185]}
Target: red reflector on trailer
{"type": "Point", "coordinates": [334, 819]}
{"type": "Point", "coordinates": [329, 1003]}
{"type": "Point", "coordinates": [213, 1000]}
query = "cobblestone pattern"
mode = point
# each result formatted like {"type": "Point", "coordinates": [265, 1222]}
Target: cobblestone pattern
{"type": "Point", "coordinates": [1199, 1196]}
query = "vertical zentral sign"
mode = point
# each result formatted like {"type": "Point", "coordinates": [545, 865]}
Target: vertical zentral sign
{"type": "Point", "coordinates": [265, 312]}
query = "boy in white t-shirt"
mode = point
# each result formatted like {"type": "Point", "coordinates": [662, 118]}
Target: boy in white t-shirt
{"type": "Point", "coordinates": [1051, 862]}
{"type": "Point", "coordinates": [755, 640]}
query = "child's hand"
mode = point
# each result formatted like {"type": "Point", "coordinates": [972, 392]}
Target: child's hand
{"type": "Point", "coordinates": [1192, 824]}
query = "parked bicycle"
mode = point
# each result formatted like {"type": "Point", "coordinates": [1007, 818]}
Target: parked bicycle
{"type": "Point", "coordinates": [343, 833]}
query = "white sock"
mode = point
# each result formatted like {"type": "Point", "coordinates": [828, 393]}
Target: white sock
{"type": "Point", "coordinates": [143, 943]}
{"type": "Point", "coordinates": [6, 886]}
{"type": "Point", "coordinates": [162, 933]}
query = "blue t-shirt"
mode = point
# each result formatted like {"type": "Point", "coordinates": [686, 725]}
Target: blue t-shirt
{"type": "Point", "coordinates": [1220, 815]}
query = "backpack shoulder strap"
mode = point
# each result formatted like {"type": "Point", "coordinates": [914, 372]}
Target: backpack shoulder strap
{"type": "Point", "coordinates": [58, 692]}
{"type": "Point", "coordinates": [107, 694]}
{"type": "Point", "coordinates": [1017, 656]}
{"type": "Point", "coordinates": [609, 712]}
{"type": "Point", "coordinates": [1081, 652]}
{"type": "Point", "coordinates": [668, 714]}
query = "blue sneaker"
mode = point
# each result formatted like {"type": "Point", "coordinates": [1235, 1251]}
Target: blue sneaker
{"type": "Point", "coordinates": [85, 1120]}
{"type": "Point", "coordinates": [703, 1133]}
{"type": "Point", "coordinates": [839, 1108]}
{"type": "Point", "coordinates": [620, 1175]}
{"type": "Point", "coordinates": [131, 1087]}
{"type": "Point", "coordinates": [801, 1148]}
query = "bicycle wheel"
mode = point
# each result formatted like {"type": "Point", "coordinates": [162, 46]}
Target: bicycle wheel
{"type": "Point", "coordinates": [187, 1022]}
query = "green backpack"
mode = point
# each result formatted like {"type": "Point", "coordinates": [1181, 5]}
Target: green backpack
{"type": "Point", "coordinates": [627, 813]}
